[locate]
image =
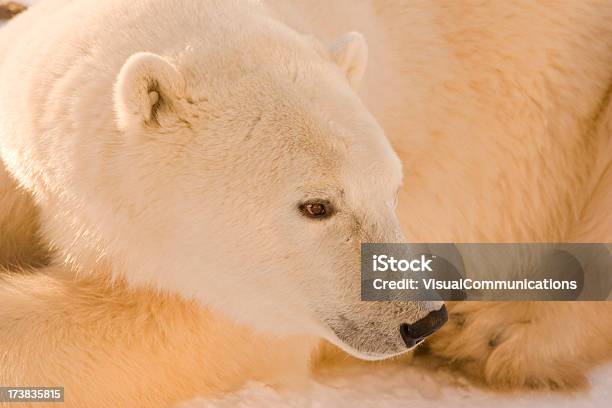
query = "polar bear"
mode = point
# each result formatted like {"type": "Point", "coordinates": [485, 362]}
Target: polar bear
{"type": "Point", "coordinates": [208, 151]}
{"type": "Point", "coordinates": [499, 112]}
{"type": "Point", "coordinates": [501, 115]}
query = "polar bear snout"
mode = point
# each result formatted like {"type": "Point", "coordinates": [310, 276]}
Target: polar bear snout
{"type": "Point", "coordinates": [414, 333]}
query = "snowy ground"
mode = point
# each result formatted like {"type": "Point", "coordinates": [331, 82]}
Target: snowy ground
{"type": "Point", "coordinates": [383, 386]}
{"type": "Point", "coordinates": [405, 386]}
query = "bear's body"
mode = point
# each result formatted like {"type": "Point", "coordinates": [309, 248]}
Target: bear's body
{"type": "Point", "coordinates": [499, 112]}
{"type": "Point", "coordinates": [109, 346]}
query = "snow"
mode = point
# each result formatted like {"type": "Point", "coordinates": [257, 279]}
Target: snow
{"type": "Point", "coordinates": [393, 385]}
{"type": "Point", "coordinates": [380, 386]}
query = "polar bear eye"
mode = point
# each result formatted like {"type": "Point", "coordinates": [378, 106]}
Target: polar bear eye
{"type": "Point", "coordinates": [316, 209]}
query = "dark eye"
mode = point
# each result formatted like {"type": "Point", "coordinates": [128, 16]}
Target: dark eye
{"type": "Point", "coordinates": [316, 209]}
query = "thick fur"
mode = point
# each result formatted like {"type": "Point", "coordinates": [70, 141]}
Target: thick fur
{"type": "Point", "coordinates": [501, 115]}
{"type": "Point", "coordinates": [182, 163]}
{"type": "Point", "coordinates": [174, 149]}
{"type": "Point", "coordinates": [504, 128]}
{"type": "Point", "coordinates": [110, 346]}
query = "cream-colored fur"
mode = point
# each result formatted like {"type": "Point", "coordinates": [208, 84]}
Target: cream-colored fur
{"type": "Point", "coordinates": [182, 163]}
{"type": "Point", "coordinates": [528, 118]}
{"type": "Point", "coordinates": [503, 124]}
{"type": "Point", "coordinates": [500, 114]}
{"type": "Point", "coordinates": [110, 346]}
{"type": "Point", "coordinates": [164, 156]}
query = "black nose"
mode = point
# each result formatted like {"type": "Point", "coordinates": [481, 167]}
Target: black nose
{"type": "Point", "coordinates": [412, 334]}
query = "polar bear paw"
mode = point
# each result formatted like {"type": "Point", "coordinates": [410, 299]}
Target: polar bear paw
{"type": "Point", "coordinates": [513, 345]}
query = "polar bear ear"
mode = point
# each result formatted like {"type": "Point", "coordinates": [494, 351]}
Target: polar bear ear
{"type": "Point", "coordinates": [148, 86]}
{"type": "Point", "coordinates": [350, 52]}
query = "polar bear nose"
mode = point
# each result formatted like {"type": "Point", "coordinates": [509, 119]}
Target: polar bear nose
{"type": "Point", "coordinates": [414, 333]}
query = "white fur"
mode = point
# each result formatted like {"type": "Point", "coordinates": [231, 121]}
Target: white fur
{"type": "Point", "coordinates": [178, 153]}
{"type": "Point", "coordinates": [499, 112]}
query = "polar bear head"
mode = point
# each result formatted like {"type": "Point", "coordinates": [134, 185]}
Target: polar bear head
{"type": "Point", "coordinates": [246, 176]}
